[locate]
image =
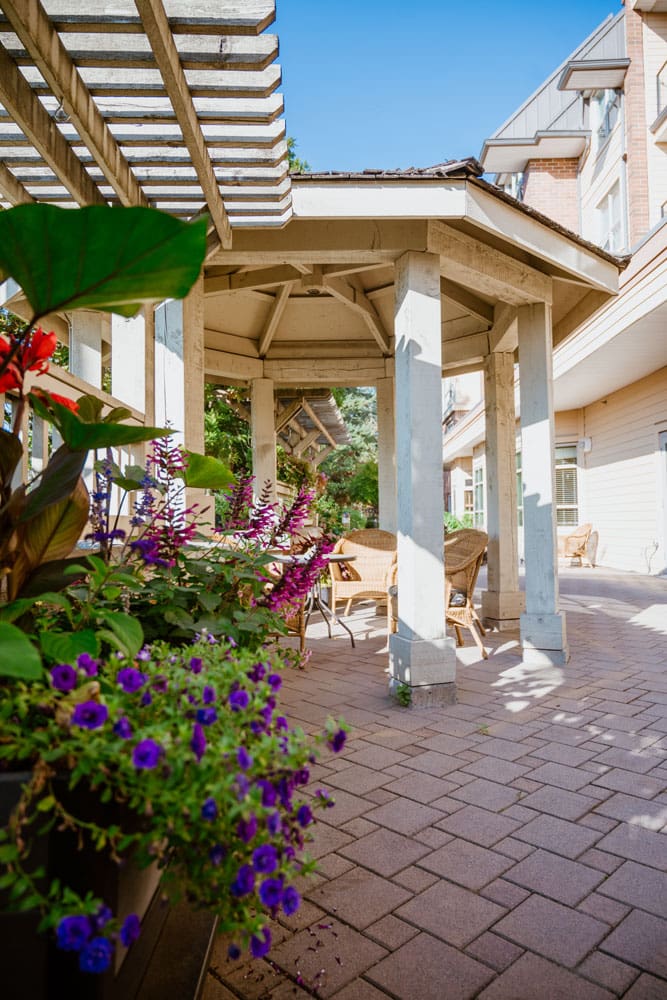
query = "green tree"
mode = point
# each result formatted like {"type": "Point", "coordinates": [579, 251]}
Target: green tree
{"type": "Point", "coordinates": [296, 165]}
{"type": "Point", "coordinates": [352, 469]}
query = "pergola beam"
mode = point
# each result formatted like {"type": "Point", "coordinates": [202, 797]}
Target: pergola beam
{"type": "Point", "coordinates": [467, 300]}
{"type": "Point", "coordinates": [12, 188]}
{"type": "Point", "coordinates": [286, 416]}
{"type": "Point", "coordinates": [261, 278]}
{"type": "Point", "coordinates": [355, 298]}
{"type": "Point", "coordinates": [157, 29]}
{"type": "Point", "coordinates": [32, 25]}
{"type": "Point", "coordinates": [275, 315]}
{"type": "Point", "coordinates": [305, 443]}
{"type": "Point", "coordinates": [308, 410]}
{"type": "Point", "coordinates": [26, 110]}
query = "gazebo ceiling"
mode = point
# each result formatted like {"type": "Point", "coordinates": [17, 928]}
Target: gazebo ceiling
{"type": "Point", "coordinates": [170, 103]}
{"type": "Point", "coordinates": [313, 302]}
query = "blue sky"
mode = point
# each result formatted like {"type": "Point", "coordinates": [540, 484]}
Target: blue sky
{"type": "Point", "coordinates": [383, 83]}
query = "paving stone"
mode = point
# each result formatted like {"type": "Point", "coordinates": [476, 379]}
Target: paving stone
{"type": "Point", "coordinates": [488, 794]}
{"type": "Point", "coordinates": [554, 876]}
{"type": "Point", "coordinates": [359, 989]}
{"type": "Point", "coordinates": [520, 812]}
{"type": "Point", "coordinates": [376, 757]}
{"type": "Point", "coordinates": [347, 807]}
{"type": "Point", "coordinates": [526, 785]}
{"type": "Point", "coordinates": [358, 779]}
{"type": "Point", "coordinates": [608, 971]}
{"type": "Point", "coordinates": [636, 844]}
{"type": "Point", "coordinates": [625, 781]}
{"type": "Point", "coordinates": [639, 886]}
{"type": "Point", "coordinates": [306, 915]}
{"type": "Point", "coordinates": [601, 860]}
{"type": "Point", "coordinates": [552, 930]}
{"type": "Point", "coordinates": [570, 735]}
{"type": "Point", "coordinates": [494, 950]}
{"type": "Point", "coordinates": [603, 908]}
{"type": "Point", "coordinates": [559, 802]}
{"type": "Point", "coordinates": [442, 743]}
{"type": "Point", "coordinates": [332, 865]}
{"type": "Point", "coordinates": [571, 778]}
{"type": "Point", "coordinates": [344, 953]}
{"type": "Point", "coordinates": [560, 753]}
{"type": "Point", "coordinates": [513, 848]}
{"type": "Point", "coordinates": [380, 796]}
{"type": "Point", "coordinates": [505, 893]}
{"type": "Point", "coordinates": [558, 835]}
{"type": "Point", "coordinates": [325, 840]}
{"type": "Point", "coordinates": [640, 940]}
{"type": "Point", "coordinates": [638, 761]}
{"type": "Point", "coordinates": [421, 787]}
{"type": "Point", "coordinates": [433, 837]}
{"type": "Point", "coordinates": [447, 804]}
{"type": "Point", "coordinates": [419, 969]}
{"type": "Point", "coordinates": [465, 863]}
{"type": "Point", "coordinates": [635, 810]}
{"type": "Point", "coordinates": [391, 932]}
{"type": "Point", "coordinates": [495, 769]}
{"type": "Point", "coordinates": [359, 827]}
{"type": "Point", "coordinates": [359, 897]}
{"type": "Point", "coordinates": [646, 988]}
{"type": "Point", "coordinates": [479, 825]}
{"type": "Point", "coordinates": [415, 879]}
{"type": "Point", "coordinates": [404, 816]}
{"type": "Point", "coordinates": [600, 823]}
{"type": "Point", "coordinates": [449, 912]}
{"type": "Point", "coordinates": [384, 852]}
{"type": "Point", "coordinates": [532, 976]}
{"type": "Point", "coordinates": [504, 749]}
{"type": "Point", "coordinates": [437, 764]}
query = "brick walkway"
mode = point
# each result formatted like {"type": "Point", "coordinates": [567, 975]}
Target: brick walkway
{"type": "Point", "coordinates": [510, 847]}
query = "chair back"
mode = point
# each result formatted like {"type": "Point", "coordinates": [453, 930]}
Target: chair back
{"type": "Point", "coordinates": [464, 554]}
{"type": "Point", "coordinates": [576, 541]}
{"type": "Point", "coordinates": [373, 549]}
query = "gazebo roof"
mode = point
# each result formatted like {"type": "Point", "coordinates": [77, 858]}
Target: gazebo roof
{"type": "Point", "coordinates": [171, 103]}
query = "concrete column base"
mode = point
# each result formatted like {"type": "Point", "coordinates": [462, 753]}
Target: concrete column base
{"type": "Point", "coordinates": [419, 662]}
{"type": "Point", "coordinates": [544, 639]}
{"type": "Point", "coordinates": [428, 695]}
{"type": "Point", "coordinates": [502, 610]}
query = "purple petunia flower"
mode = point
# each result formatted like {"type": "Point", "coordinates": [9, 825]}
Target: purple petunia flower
{"type": "Point", "coordinates": [244, 882]}
{"type": "Point", "coordinates": [209, 810]}
{"type": "Point", "coordinates": [198, 741]}
{"type": "Point", "coordinates": [239, 700]}
{"type": "Point", "coordinates": [73, 933]}
{"type": "Point", "coordinates": [130, 930]}
{"type": "Point", "coordinates": [160, 684]}
{"type": "Point", "coordinates": [273, 823]}
{"type": "Point", "coordinates": [304, 816]}
{"type": "Point", "coordinates": [271, 892]}
{"type": "Point", "coordinates": [281, 722]}
{"type": "Point", "coordinates": [265, 859]}
{"type": "Point", "coordinates": [123, 729]}
{"type": "Point", "coordinates": [217, 854]}
{"type": "Point", "coordinates": [195, 664]}
{"type": "Point", "coordinates": [275, 681]}
{"type": "Point", "coordinates": [242, 785]}
{"type": "Point", "coordinates": [100, 919]}
{"type": "Point", "coordinates": [243, 758]}
{"type": "Point", "coordinates": [131, 679]}
{"type": "Point", "coordinates": [206, 716]}
{"type": "Point", "coordinates": [247, 828]}
{"type": "Point", "coordinates": [291, 901]}
{"type": "Point", "coordinates": [90, 715]}
{"type": "Point", "coordinates": [260, 944]}
{"type": "Point", "coordinates": [337, 741]}
{"type": "Point", "coordinates": [86, 663]}
{"type": "Point", "coordinates": [96, 956]}
{"type": "Point", "coordinates": [63, 677]}
{"type": "Point", "coordinates": [208, 695]}
{"type": "Point", "coordinates": [146, 755]}
{"type": "Point", "coordinates": [257, 673]}
{"type": "Point", "coordinates": [268, 793]}
{"type": "Point", "coordinates": [146, 699]}
{"type": "Point", "coordinates": [233, 952]}
{"type": "Point", "coordinates": [144, 654]}
{"type": "Point", "coordinates": [325, 798]}
{"type": "Point", "coordinates": [302, 777]}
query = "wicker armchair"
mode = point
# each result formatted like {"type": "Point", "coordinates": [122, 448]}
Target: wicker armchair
{"type": "Point", "coordinates": [464, 554]}
{"type": "Point", "coordinates": [366, 577]}
{"type": "Point", "coordinates": [577, 545]}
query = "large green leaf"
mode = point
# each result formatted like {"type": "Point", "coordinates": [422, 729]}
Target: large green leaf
{"type": "Point", "coordinates": [66, 646]}
{"type": "Point", "coordinates": [57, 483]}
{"type": "Point", "coordinates": [79, 435]}
{"type": "Point", "coordinates": [98, 257]}
{"type": "Point", "coordinates": [207, 473]}
{"type": "Point", "coordinates": [18, 656]}
{"type": "Point", "coordinates": [54, 575]}
{"type": "Point", "coordinates": [54, 532]}
{"type": "Point", "coordinates": [124, 632]}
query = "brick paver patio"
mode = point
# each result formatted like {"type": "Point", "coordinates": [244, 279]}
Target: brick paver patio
{"type": "Point", "coordinates": [510, 847]}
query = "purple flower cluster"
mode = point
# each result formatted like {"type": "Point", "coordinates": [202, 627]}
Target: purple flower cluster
{"type": "Point", "coordinates": [83, 934]}
{"type": "Point", "coordinates": [146, 755]}
{"type": "Point", "coordinates": [90, 715]}
{"type": "Point", "coordinates": [131, 679]}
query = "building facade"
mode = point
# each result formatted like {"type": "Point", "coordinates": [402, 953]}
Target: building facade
{"type": "Point", "coordinates": [589, 150]}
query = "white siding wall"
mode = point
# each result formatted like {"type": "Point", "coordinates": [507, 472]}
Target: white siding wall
{"type": "Point", "coordinates": [655, 56]}
{"type": "Point", "coordinates": [621, 487]}
{"type": "Point", "coordinates": [600, 171]}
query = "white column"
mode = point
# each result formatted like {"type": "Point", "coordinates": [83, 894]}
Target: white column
{"type": "Point", "coordinates": [543, 632]}
{"type": "Point", "coordinates": [420, 654]}
{"type": "Point", "coordinates": [169, 368]}
{"type": "Point", "coordinates": [386, 453]}
{"type": "Point", "coordinates": [128, 349]}
{"type": "Point", "coordinates": [502, 602]}
{"type": "Point", "coordinates": [85, 347]}
{"type": "Point", "coordinates": [263, 428]}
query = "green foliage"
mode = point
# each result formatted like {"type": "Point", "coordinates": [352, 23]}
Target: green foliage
{"type": "Point", "coordinates": [453, 523]}
{"type": "Point", "coordinates": [226, 434]}
{"type": "Point", "coordinates": [296, 165]}
{"type": "Point", "coordinates": [403, 694]}
{"type": "Point", "coordinates": [112, 259]}
{"type": "Point", "coordinates": [18, 657]}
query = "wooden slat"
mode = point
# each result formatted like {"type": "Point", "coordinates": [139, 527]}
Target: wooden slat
{"type": "Point", "coordinates": [119, 82]}
{"type": "Point", "coordinates": [287, 415]}
{"type": "Point", "coordinates": [157, 28]}
{"type": "Point", "coordinates": [42, 131]}
{"type": "Point", "coordinates": [227, 17]}
{"type": "Point", "coordinates": [13, 189]}
{"type": "Point", "coordinates": [31, 23]}
{"type": "Point", "coordinates": [275, 315]}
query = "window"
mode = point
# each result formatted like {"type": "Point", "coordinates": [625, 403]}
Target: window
{"type": "Point", "coordinates": [662, 89]}
{"type": "Point", "coordinates": [610, 220]}
{"type": "Point", "coordinates": [567, 505]}
{"type": "Point", "coordinates": [607, 104]}
{"type": "Point", "coordinates": [519, 490]}
{"type": "Point", "coordinates": [478, 508]}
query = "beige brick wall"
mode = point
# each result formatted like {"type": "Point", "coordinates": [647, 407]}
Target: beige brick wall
{"type": "Point", "coordinates": [550, 186]}
{"type": "Point", "coordinates": [636, 129]}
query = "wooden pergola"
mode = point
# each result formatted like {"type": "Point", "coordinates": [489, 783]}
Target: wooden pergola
{"type": "Point", "coordinates": [391, 279]}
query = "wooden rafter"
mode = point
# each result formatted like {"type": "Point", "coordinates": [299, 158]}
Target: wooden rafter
{"type": "Point", "coordinates": [32, 25]}
{"type": "Point", "coordinates": [12, 188]}
{"type": "Point", "coordinates": [275, 315]}
{"type": "Point", "coordinates": [26, 110]}
{"type": "Point", "coordinates": [263, 277]}
{"type": "Point", "coordinates": [308, 410]}
{"type": "Point", "coordinates": [321, 455]}
{"type": "Point", "coordinates": [305, 442]}
{"type": "Point", "coordinates": [467, 300]}
{"type": "Point", "coordinates": [157, 28]}
{"type": "Point", "coordinates": [356, 299]}
{"type": "Point", "coordinates": [248, 17]}
{"type": "Point", "coordinates": [288, 414]}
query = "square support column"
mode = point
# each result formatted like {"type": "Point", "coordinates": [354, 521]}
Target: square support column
{"type": "Point", "coordinates": [502, 602]}
{"type": "Point", "coordinates": [420, 653]}
{"type": "Point", "coordinates": [386, 453]}
{"type": "Point", "coordinates": [543, 633]}
{"type": "Point", "coordinates": [128, 369]}
{"type": "Point", "coordinates": [85, 346]}
{"type": "Point", "coordinates": [263, 431]}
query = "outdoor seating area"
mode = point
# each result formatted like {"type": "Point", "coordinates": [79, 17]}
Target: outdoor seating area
{"type": "Point", "coordinates": [506, 847]}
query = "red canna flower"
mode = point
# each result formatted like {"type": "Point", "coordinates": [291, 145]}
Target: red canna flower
{"type": "Point", "coordinates": [36, 349]}
{"type": "Point", "coordinates": [10, 380]}
{"type": "Point", "coordinates": [71, 404]}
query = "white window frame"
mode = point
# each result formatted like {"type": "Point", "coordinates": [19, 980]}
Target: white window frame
{"type": "Point", "coordinates": [567, 511]}
{"type": "Point", "coordinates": [479, 495]}
{"type": "Point", "coordinates": [611, 219]}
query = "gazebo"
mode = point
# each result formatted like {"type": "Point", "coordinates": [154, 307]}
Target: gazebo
{"type": "Point", "coordinates": [386, 278]}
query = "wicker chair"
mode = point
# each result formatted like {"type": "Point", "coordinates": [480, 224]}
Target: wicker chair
{"type": "Point", "coordinates": [576, 545]}
{"type": "Point", "coordinates": [464, 555]}
{"type": "Point", "coordinates": [366, 577]}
